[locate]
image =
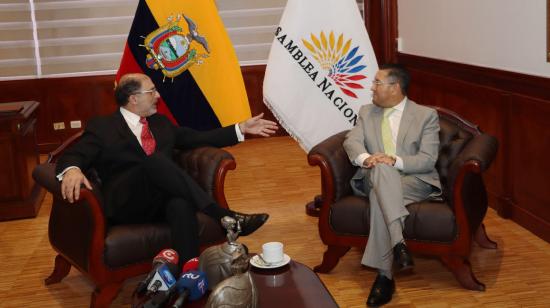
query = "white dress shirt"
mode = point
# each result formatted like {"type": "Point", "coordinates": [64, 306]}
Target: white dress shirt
{"type": "Point", "coordinates": [395, 121]}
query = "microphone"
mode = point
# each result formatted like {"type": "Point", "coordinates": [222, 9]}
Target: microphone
{"type": "Point", "coordinates": [165, 256]}
{"type": "Point", "coordinates": [161, 286]}
{"type": "Point", "coordinates": [191, 265]}
{"type": "Point", "coordinates": [163, 279]}
{"type": "Point", "coordinates": [192, 285]}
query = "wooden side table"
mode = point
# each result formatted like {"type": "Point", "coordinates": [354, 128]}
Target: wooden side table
{"type": "Point", "coordinates": [20, 196]}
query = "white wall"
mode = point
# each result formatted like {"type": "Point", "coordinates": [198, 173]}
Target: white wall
{"type": "Point", "coordinates": [503, 34]}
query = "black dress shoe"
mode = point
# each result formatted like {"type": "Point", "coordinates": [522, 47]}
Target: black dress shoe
{"type": "Point", "coordinates": [402, 258]}
{"type": "Point", "coordinates": [250, 222]}
{"type": "Point", "coordinates": [381, 291]}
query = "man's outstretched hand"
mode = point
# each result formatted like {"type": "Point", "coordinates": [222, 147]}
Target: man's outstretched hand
{"type": "Point", "coordinates": [70, 186]}
{"type": "Point", "coordinates": [258, 126]}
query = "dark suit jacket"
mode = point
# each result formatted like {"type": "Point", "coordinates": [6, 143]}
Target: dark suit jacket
{"type": "Point", "coordinates": [109, 146]}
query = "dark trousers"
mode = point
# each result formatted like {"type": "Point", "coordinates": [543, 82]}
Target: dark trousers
{"type": "Point", "coordinates": [162, 191]}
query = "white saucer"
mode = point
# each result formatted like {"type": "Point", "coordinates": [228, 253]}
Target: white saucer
{"type": "Point", "coordinates": [257, 262]}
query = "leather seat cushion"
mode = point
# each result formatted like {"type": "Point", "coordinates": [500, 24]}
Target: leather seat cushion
{"type": "Point", "coordinates": [130, 244]}
{"type": "Point", "coordinates": [428, 220]}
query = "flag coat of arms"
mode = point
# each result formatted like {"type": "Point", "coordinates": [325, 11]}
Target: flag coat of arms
{"type": "Point", "coordinates": [183, 46]}
{"type": "Point", "coordinates": [320, 69]}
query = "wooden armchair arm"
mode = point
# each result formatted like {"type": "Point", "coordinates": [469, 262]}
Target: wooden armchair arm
{"type": "Point", "coordinates": [482, 148]}
{"type": "Point", "coordinates": [336, 173]}
{"type": "Point", "coordinates": [336, 169]}
{"type": "Point", "coordinates": [468, 196]}
{"type": "Point", "coordinates": [76, 231]}
{"type": "Point", "coordinates": [208, 166]}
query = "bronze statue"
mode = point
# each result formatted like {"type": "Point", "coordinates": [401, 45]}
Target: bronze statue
{"type": "Point", "coordinates": [216, 261]}
{"type": "Point", "coordinates": [237, 291]}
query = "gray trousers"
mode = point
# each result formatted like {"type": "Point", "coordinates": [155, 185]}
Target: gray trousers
{"type": "Point", "coordinates": [389, 192]}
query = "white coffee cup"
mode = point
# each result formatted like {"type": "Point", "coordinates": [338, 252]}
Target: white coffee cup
{"type": "Point", "coordinates": [272, 252]}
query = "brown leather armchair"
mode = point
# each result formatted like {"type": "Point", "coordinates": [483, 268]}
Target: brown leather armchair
{"type": "Point", "coordinates": [442, 228]}
{"type": "Point", "coordinates": [108, 255]}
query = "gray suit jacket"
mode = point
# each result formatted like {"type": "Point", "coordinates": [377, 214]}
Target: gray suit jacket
{"type": "Point", "coordinates": [417, 140]}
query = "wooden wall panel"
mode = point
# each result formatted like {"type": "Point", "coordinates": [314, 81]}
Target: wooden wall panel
{"type": "Point", "coordinates": [61, 100]}
{"type": "Point", "coordinates": [381, 24]}
{"type": "Point", "coordinates": [530, 138]}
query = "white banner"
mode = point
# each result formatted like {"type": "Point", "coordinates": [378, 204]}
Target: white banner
{"type": "Point", "coordinates": [320, 69]}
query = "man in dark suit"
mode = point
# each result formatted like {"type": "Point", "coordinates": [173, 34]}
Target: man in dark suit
{"type": "Point", "coordinates": [131, 150]}
{"type": "Point", "coordinates": [395, 143]}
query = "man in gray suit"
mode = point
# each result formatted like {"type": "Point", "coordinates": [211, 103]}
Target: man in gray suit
{"type": "Point", "coordinates": [395, 143]}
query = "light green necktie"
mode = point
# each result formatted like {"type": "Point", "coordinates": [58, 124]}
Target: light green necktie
{"type": "Point", "coordinates": [389, 146]}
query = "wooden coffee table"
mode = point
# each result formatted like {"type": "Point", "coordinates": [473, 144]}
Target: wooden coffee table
{"type": "Point", "coordinates": [291, 286]}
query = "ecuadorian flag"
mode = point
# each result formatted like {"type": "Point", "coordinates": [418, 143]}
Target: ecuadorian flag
{"type": "Point", "coordinates": [210, 92]}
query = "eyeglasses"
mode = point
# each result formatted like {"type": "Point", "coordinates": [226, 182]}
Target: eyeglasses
{"type": "Point", "coordinates": [153, 90]}
{"type": "Point", "coordinates": [380, 82]}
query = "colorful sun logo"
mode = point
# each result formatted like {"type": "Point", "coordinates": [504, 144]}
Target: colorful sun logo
{"type": "Point", "coordinates": [341, 63]}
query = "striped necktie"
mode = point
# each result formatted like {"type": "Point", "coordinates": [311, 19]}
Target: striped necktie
{"type": "Point", "coordinates": [389, 146]}
{"type": "Point", "coordinates": [147, 141]}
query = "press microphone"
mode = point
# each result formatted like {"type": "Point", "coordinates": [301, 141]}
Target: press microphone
{"type": "Point", "coordinates": [166, 256]}
{"type": "Point", "coordinates": [162, 285]}
{"type": "Point", "coordinates": [191, 265]}
{"type": "Point", "coordinates": [192, 285]}
{"type": "Point", "coordinates": [163, 279]}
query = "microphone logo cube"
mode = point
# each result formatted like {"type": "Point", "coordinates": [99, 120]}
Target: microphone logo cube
{"type": "Point", "coordinates": [170, 255]}
{"type": "Point", "coordinates": [163, 280]}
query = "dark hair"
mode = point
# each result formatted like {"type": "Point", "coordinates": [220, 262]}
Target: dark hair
{"type": "Point", "coordinates": [125, 88]}
{"type": "Point", "coordinates": [399, 74]}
